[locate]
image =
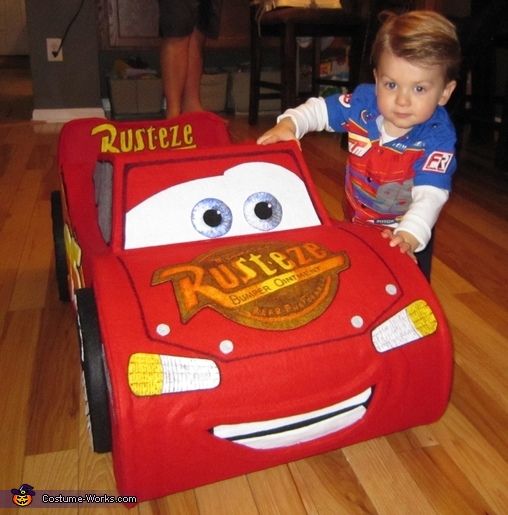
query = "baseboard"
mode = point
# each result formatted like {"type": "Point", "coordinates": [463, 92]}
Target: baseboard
{"type": "Point", "coordinates": [64, 115]}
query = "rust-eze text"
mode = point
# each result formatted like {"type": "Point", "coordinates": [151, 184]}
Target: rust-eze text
{"type": "Point", "coordinates": [115, 140]}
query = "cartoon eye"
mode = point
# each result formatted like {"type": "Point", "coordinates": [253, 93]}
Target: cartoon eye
{"type": "Point", "coordinates": [262, 211]}
{"type": "Point", "coordinates": [211, 217]}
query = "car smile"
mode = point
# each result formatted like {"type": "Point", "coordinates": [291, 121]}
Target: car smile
{"type": "Point", "coordinates": [283, 432]}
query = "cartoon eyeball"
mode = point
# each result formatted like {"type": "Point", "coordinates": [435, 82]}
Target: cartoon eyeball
{"type": "Point", "coordinates": [248, 198]}
{"type": "Point", "coordinates": [262, 211]}
{"type": "Point", "coordinates": [211, 217]}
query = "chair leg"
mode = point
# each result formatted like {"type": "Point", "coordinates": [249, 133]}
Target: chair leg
{"type": "Point", "coordinates": [288, 67]}
{"type": "Point", "coordinates": [316, 65]}
{"type": "Point", "coordinates": [356, 58]}
{"type": "Point", "coordinates": [255, 71]}
{"type": "Point", "coordinates": [482, 97]}
{"type": "Point", "coordinates": [501, 155]}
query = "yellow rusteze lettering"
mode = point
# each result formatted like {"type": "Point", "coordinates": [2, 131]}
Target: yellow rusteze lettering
{"type": "Point", "coordinates": [212, 281]}
{"type": "Point", "coordinates": [115, 141]}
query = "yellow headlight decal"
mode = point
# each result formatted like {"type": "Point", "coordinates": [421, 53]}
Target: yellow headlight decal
{"type": "Point", "coordinates": [412, 323]}
{"type": "Point", "coordinates": [157, 374]}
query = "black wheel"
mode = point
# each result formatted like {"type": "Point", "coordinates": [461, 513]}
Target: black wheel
{"type": "Point", "coordinates": [93, 371]}
{"type": "Point", "coordinates": [62, 270]}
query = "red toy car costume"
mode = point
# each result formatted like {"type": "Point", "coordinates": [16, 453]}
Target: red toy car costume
{"type": "Point", "coordinates": [227, 324]}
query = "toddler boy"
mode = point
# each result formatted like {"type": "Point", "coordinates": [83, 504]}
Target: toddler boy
{"type": "Point", "coordinates": [401, 140]}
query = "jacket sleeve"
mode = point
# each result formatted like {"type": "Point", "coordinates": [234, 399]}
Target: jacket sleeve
{"type": "Point", "coordinates": [311, 116]}
{"type": "Point", "coordinates": [438, 163]}
{"type": "Point", "coordinates": [419, 219]}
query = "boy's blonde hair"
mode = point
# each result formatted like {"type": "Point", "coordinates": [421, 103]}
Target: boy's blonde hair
{"type": "Point", "coordinates": [421, 37]}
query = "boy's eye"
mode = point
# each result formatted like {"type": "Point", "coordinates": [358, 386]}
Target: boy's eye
{"type": "Point", "coordinates": [419, 89]}
{"type": "Point", "coordinates": [390, 85]}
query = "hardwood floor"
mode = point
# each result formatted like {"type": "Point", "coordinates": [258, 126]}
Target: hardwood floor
{"type": "Point", "coordinates": [458, 465]}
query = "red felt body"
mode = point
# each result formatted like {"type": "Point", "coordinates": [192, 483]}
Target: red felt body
{"type": "Point", "coordinates": [164, 443]}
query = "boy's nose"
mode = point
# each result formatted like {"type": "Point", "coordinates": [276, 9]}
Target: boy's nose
{"type": "Point", "coordinates": [402, 98]}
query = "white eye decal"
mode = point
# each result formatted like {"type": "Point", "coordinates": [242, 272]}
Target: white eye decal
{"type": "Point", "coordinates": [192, 211]}
{"type": "Point", "coordinates": [262, 211]}
{"type": "Point", "coordinates": [211, 217]}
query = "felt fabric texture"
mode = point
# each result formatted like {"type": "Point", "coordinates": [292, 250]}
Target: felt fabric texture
{"type": "Point", "coordinates": [83, 141]}
{"type": "Point", "coordinates": [210, 339]}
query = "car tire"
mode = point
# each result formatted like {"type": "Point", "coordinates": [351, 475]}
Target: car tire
{"type": "Point", "coordinates": [93, 370]}
{"type": "Point", "coordinates": [62, 271]}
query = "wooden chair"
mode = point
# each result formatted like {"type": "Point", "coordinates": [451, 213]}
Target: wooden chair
{"type": "Point", "coordinates": [289, 23]}
{"type": "Point", "coordinates": [482, 35]}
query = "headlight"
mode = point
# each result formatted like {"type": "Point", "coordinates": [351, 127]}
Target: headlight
{"type": "Point", "coordinates": [412, 323]}
{"type": "Point", "coordinates": [156, 374]}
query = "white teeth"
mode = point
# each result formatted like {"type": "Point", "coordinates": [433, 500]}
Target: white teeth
{"type": "Point", "coordinates": [282, 432]}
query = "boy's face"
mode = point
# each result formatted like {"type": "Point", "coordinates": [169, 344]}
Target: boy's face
{"type": "Point", "coordinates": [407, 93]}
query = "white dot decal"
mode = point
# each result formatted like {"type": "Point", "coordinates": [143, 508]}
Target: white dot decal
{"type": "Point", "coordinates": [357, 321]}
{"type": "Point", "coordinates": [163, 329]}
{"type": "Point", "coordinates": [391, 289]}
{"type": "Point", "coordinates": [226, 346]}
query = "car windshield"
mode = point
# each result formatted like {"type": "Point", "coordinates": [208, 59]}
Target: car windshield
{"type": "Point", "coordinates": [222, 199]}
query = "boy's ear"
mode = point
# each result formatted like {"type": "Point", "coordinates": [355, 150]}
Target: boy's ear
{"type": "Point", "coordinates": [447, 92]}
{"type": "Point", "coordinates": [376, 84]}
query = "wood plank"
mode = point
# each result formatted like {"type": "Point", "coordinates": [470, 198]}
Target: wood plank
{"type": "Point", "coordinates": [486, 221]}
{"type": "Point", "coordinates": [54, 417]}
{"type": "Point", "coordinates": [488, 417]}
{"type": "Point", "coordinates": [54, 474]}
{"type": "Point", "coordinates": [442, 481]}
{"type": "Point", "coordinates": [17, 361]}
{"type": "Point", "coordinates": [229, 497]}
{"type": "Point", "coordinates": [480, 357]}
{"type": "Point", "coordinates": [183, 503]}
{"type": "Point", "coordinates": [476, 457]}
{"type": "Point", "coordinates": [489, 274]}
{"type": "Point", "coordinates": [489, 310]}
{"type": "Point", "coordinates": [14, 226]}
{"type": "Point", "coordinates": [32, 279]}
{"type": "Point", "coordinates": [385, 479]}
{"type": "Point", "coordinates": [274, 491]}
{"type": "Point", "coordinates": [328, 484]}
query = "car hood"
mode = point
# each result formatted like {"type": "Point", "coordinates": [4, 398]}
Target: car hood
{"type": "Point", "coordinates": [261, 294]}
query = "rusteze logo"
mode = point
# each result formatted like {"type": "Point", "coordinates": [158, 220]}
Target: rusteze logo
{"type": "Point", "coordinates": [117, 140]}
{"type": "Point", "coordinates": [276, 285]}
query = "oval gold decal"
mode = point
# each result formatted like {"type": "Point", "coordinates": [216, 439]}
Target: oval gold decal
{"type": "Point", "coordinates": [276, 285]}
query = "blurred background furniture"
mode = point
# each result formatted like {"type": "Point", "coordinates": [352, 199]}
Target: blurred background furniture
{"type": "Point", "coordinates": [289, 23]}
{"type": "Point", "coordinates": [480, 102]}
{"type": "Point", "coordinates": [356, 21]}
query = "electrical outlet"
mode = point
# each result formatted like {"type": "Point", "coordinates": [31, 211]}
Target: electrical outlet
{"type": "Point", "coordinates": [52, 46]}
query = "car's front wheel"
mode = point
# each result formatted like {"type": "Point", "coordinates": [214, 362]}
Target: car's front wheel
{"type": "Point", "coordinates": [93, 371]}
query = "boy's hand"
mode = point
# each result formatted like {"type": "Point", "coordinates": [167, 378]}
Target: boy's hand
{"type": "Point", "coordinates": [404, 240]}
{"type": "Point", "coordinates": [285, 130]}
